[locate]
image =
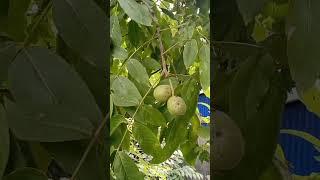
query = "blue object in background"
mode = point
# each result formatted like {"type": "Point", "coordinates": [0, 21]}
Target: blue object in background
{"type": "Point", "coordinates": [204, 105]}
{"type": "Point", "coordinates": [298, 151]}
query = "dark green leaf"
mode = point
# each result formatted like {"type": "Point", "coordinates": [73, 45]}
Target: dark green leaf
{"type": "Point", "coordinates": [189, 91]}
{"type": "Point", "coordinates": [125, 92]}
{"type": "Point", "coordinates": [149, 115]}
{"type": "Point", "coordinates": [138, 71]}
{"type": "Point", "coordinates": [151, 65]}
{"type": "Point", "coordinates": [68, 155]}
{"type": "Point", "coordinates": [90, 22]}
{"type": "Point", "coordinates": [174, 135]}
{"type": "Point", "coordinates": [303, 40]}
{"type": "Point", "coordinates": [96, 81]}
{"type": "Point", "coordinates": [41, 157]}
{"type": "Point", "coordinates": [48, 123]}
{"type": "Point", "coordinates": [204, 55]}
{"type": "Point", "coordinates": [135, 33]}
{"type": "Point", "coordinates": [190, 52]}
{"type": "Point", "coordinates": [4, 141]}
{"type": "Point", "coordinates": [115, 122]}
{"type": "Point", "coordinates": [147, 140]}
{"type": "Point", "coordinates": [272, 172]}
{"type": "Point", "coordinates": [189, 152]}
{"type": "Point", "coordinates": [115, 30]}
{"type": "Point", "coordinates": [249, 9]}
{"type": "Point", "coordinates": [40, 77]}
{"type": "Point", "coordinates": [136, 11]}
{"type": "Point", "coordinates": [7, 54]}
{"type": "Point", "coordinates": [26, 174]}
{"type": "Point", "coordinates": [94, 77]}
{"type": "Point", "coordinates": [121, 133]}
{"type": "Point", "coordinates": [4, 7]}
{"type": "Point", "coordinates": [169, 13]}
{"type": "Point", "coordinates": [17, 20]}
{"type": "Point", "coordinates": [259, 124]}
{"type": "Point", "coordinates": [125, 168]}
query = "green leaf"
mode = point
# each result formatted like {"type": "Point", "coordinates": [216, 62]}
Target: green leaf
{"type": "Point", "coordinates": [116, 35]}
{"type": "Point", "coordinates": [147, 140]}
{"type": "Point", "coordinates": [306, 136]}
{"type": "Point", "coordinates": [276, 10]}
{"type": "Point", "coordinates": [7, 54]}
{"type": "Point", "coordinates": [204, 132]}
{"type": "Point", "coordinates": [190, 52]}
{"type": "Point", "coordinates": [174, 135]}
{"type": "Point", "coordinates": [138, 71]}
{"type": "Point", "coordinates": [90, 22]}
{"type": "Point", "coordinates": [136, 11]}
{"type": "Point", "coordinates": [272, 172]}
{"type": "Point", "coordinates": [135, 33]}
{"type": "Point", "coordinates": [26, 174]}
{"type": "Point", "coordinates": [204, 55]}
{"type": "Point", "coordinates": [48, 123]}
{"type": "Point", "coordinates": [125, 168]}
{"type": "Point", "coordinates": [311, 98]}
{"type": "Point", "coordinates": [151, 65]}
{"type": "Point", "coordinates": [119, 53]}
{"type": "Point", "coordinates": [40, 78]}
{"type": "Point", "coordinates": [119, 134]}
{"type": "Point", "coordinates": [68, 155]}
{"type": "Point", "coordinates": [189, 152]}
{"type": "Point", "coordinates": [258, 83]}
{"type": "Point", "coordinates": [124, 92]}
{"type": "Point", "coordinates": [4, 141]}
{"type": "Point", "coordinates": [169, 13]}
{"type": "Point", "coordinates": [189, 31]}
{"type": "Point", "coordinates": [115, 122]}
{"type": "Point", "coordinates": [41, 157]}
{"type": "Point", "coordinates": [249, 9]}
{"type": "Point", "coordinates": [4, 7]}
{"type": "Point", "coordinates": [189, 91]}
{"type": "Point", "coordinates": [150, 115]}
{"type": "Point", "coordinates": [302, 42]}
{"type": "Point", "coordinates": [111, 106]}
{"type": "Point", "coordinates": [260, 124]}
{"type": "Point", "coordinates": [17, 20]}
{"type": "Point", "coordinates": [260, 32]}
{"type": "Point", "coordinates": [94, 77]}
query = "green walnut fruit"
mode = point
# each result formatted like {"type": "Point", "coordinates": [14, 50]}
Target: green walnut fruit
{"type": "Point", "coordinates": [162, 93]}
{"type": "Point", "coordinates": [228, 143]}
{"type": "Point", "coordinates": [176, 106]}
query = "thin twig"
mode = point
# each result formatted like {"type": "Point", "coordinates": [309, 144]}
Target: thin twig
{"type": "Point", "coordinates": [165, 72]}
{"type": "Point", "coordinates": [165, 52]}
{"type": "Point", "coordinates": [89, 147]}
{"type": "Point", "coordinates": [237, 43]}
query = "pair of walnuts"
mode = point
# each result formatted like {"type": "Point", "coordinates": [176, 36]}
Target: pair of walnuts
{"type": "Point", "coordinates": [175, 104]}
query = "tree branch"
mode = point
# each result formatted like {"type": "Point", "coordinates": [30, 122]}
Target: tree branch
{"type": "Point", "coordinates": [165, 72]}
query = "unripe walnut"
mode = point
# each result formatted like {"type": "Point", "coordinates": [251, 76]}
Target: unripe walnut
{"type": "Point", "coordinates": [228, 143]}
{"type": "Point", "coordinates": [162, 93]}
{"type": "Point", "coordinates": [176, 106]}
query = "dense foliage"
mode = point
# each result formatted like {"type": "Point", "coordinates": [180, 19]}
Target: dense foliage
{"type": "Point", "coordinates": [53, 81]}
{"type": "Point", "coordinates": [157, 43]}
{"type": "Point", "coordinates": [262, 50]}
